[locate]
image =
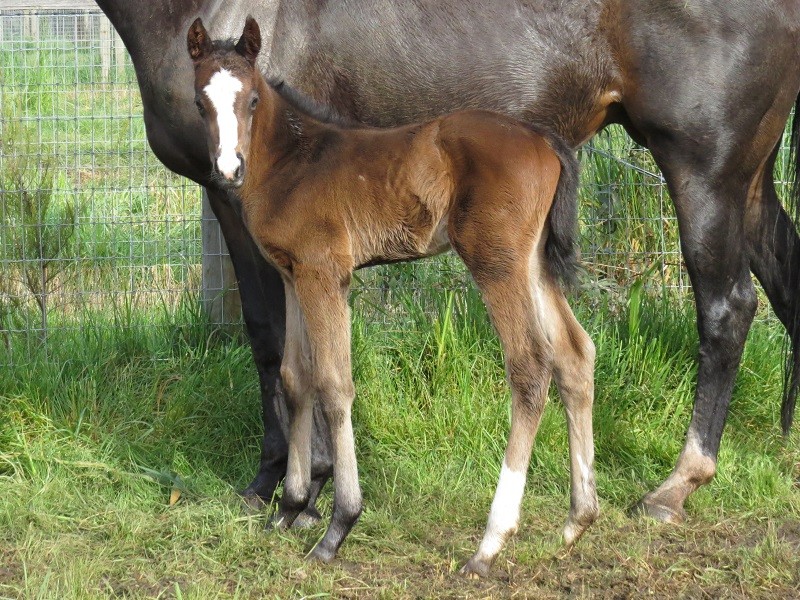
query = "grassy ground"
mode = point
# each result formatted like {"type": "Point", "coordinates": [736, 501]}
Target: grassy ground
{"type": "Point", "coordinates": [97, 435]}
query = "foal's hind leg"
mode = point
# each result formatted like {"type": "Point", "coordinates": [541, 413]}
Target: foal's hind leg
{"type": "Point", "coordinates": [528, 359]}
{"type": "Point", "coordinates": [573, 371]}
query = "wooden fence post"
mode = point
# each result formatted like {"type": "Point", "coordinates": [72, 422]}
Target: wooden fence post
{"type": "Point", "coordinates": [220, 296]}
{"type": "Point", "coordinates": [31, 27]}
{"type": "Point", "coordinates": [119, 57]}
{"type": "Point", "coordinates": [105, 49]}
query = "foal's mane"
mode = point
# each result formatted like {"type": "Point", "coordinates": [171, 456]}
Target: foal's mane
{"type": "Point", "coordinates": [306, 105]}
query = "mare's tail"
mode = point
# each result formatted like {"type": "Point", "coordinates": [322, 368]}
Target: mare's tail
{"type": "Point", "coordinates": [791, 380]}
{"type": "Point", "coordinates": [561, 247]}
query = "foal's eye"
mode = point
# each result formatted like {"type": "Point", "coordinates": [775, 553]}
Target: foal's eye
{"type": "Point", "coordinates": [253, 103]}
{"type": "Point", "coordinates": [200, 108]}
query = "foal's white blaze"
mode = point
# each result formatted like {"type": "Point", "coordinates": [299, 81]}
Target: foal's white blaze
{"type": "Point", "coordinates": [504, 515]}
{"type": "Point", "coordinates": [221, 91]}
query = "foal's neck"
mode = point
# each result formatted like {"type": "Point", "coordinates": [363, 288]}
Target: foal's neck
{"type": "Point", "coordinates": [281, 130]}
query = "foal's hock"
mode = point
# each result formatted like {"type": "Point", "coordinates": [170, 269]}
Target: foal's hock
{"type": "Point", "coordinates": [322, 197]}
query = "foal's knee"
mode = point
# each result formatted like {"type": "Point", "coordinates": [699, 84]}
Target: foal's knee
{"type": "Point", "coordinates": [294, 383]}
{"type": "Point", "coordinates": [336, 394]}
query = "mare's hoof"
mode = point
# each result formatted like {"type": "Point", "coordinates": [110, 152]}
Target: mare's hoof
{"type": "Point", "coordinates": [252, 503]}
{"type": "Point", "coordinates": [475, 568]}
{"type": "Point", "coordinates": [322, 554]}
{"type": "Point", "coordinates": [660, 512]}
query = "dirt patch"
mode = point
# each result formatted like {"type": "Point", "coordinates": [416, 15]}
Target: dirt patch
{"type": "Point", "coordinates": [641, 560]}
{"type": "Point", "coordinates": [139, 585]}
{"type": "Point", "coordinates": [789, 533]}
{"type": "Point", "coordinates": [11, 571]}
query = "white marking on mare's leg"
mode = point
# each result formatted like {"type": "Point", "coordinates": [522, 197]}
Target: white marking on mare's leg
{"type": "Point", "coordinates": [221, 90]}
{"type": "Point", "coordinates": [504, 514]}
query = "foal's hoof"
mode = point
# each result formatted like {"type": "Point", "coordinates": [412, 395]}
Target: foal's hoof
{"type": "Point", "coordinates": [579, 522]}
{"type": "Point", "coordinates": [572, 533]}
{"type": "Point", "coordinates": [475, 568]}
{"type": "Point", "coordinates": [308, 518]}
{"type": "Point", "coordinates": [282, 521]}
{"type": "Point", "coordinates": [659, 512]}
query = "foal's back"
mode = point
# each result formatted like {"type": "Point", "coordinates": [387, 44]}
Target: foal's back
{"type": "Point", "coordinates": [386, 195]}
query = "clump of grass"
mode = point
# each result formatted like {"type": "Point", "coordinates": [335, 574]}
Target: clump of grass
{"type": "Point", "coordinates": [628, 223]}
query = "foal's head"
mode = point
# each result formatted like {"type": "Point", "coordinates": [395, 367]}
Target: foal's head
{"type": "Point", "coordinates": [226, 94]}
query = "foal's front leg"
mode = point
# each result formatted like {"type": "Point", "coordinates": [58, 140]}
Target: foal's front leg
{"type": "Point", "coordinates": [296, 374]}
{"type": "Point", "coordinates": [322, 296]}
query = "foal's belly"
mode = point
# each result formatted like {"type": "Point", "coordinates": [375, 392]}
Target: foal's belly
{"type": "Point", "coordinates": [415, 245]}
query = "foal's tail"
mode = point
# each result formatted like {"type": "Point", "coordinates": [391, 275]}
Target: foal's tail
{"type": "Point", "coordinates": [561, 247]}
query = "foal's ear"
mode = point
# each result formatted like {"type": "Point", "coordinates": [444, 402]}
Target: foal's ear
{"type": "Point", "coordinates": [197, 41]}
{"type": "Point", "coordinates": [250, 43]}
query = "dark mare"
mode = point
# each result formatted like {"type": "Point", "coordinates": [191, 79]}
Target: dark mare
{"type": "Point", "coordinates": [321, 197]}
{"type": "Point", "coordinates": [706, 86]}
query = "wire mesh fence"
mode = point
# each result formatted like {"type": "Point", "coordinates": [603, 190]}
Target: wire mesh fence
{"type": "Point", "coordinates": [90, 221]}
{"type": "Point", "coordinates": [93, 226]}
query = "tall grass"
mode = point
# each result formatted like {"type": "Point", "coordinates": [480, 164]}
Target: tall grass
{"type": "Point", "coordinates": [100, 430]}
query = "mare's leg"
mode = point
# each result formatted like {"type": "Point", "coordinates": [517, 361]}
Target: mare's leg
{"type": "Point", "coordinates": [712, 230]}
{"type": "Point", "coordinates": [573, 372]}
{"type": "Point", "coordinates": [710, 140]}
{"type": "Point", "coordinates": [322, 296]}
{"type": "Point", "coordinates": [262, 294]}
{"type": "Point", "coordinates": [528, 361]}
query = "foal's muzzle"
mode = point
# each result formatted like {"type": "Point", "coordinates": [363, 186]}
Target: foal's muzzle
{"type": "Point", "coordinates": [230, 179]}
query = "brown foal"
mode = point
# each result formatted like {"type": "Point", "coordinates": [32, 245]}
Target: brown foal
{"type": "Point", "coordinates": [322, 198]}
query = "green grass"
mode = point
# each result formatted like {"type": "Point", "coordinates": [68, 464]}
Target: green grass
{"type": "Point", "coordinates": [97, 430]}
